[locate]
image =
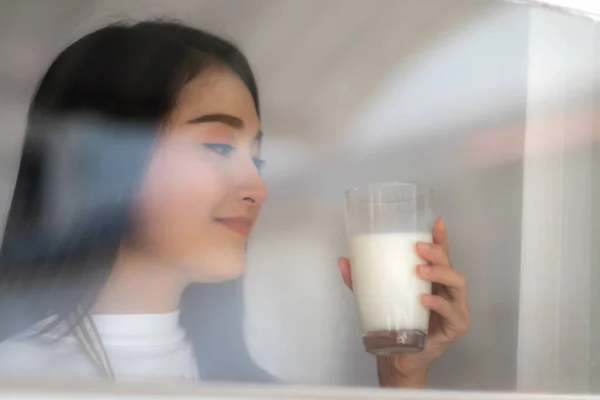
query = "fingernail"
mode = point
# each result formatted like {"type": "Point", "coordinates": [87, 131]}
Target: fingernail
{"type": "Point", "coordinates": [442, 225]}
{"type": "Point", "coordinates": [424, 269]}
{"type": "Point", "coordinates": [423, 245]}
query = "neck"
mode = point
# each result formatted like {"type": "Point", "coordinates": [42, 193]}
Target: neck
{"type": "Point", "coordinates": [139, 284]}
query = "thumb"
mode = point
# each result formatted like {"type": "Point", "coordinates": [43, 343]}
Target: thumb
{"type": "Point", "coordinates": [439, 235]}
{"type": "Point", "coordinates": [344, 266]}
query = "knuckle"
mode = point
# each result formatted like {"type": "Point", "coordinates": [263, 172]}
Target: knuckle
{"type": "Point", "coordinates": [442, 304]}
{"type": "Point", "coordinates": [466, 325]}
{"type": "Point", "coordinates": [436, 301]}
{"type": "Point", "coordinates": [461, 281]}
{"type": "Point", "coordinates": [438, 251]}
{"type": "Point", "coordinates": [434, 271]}
{"type": "Point", "coordinates": [440, 255]}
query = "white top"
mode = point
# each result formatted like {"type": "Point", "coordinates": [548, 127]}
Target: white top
{"type": "Point", "coordinates": [139, 346]}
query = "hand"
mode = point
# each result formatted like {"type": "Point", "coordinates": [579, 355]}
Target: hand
{"type": "Point", "coordinates": [449, 318]}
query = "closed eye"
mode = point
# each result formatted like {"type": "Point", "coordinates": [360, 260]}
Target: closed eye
{"type": "Point", "coordinates": [224, 150]}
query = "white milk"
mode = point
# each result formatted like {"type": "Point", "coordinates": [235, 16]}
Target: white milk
{"type": "Point", "coordinates": [385, 282]}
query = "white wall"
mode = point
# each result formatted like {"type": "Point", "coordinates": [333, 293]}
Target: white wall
{"type": "Point", "coordinates": [433, 120]}
{"type": "Point", "coordinates": [555, 351]}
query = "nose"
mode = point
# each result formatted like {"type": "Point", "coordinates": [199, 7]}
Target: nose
{"type": "Point", "coordinates": [252, 188]}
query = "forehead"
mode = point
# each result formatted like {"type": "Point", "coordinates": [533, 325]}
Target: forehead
{"type": "Point", "coordinates": [217, 90]}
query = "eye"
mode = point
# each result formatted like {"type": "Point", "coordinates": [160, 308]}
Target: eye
{"type": "Point", "coordinates": [259, 162]}
{"type": "Point", "coordinates": [224, 150]}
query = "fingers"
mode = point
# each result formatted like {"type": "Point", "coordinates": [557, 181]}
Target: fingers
{"type": "Point", "coordinates": [448, 277]}
{"type": "Point", "coordinates": [433, 253]}
{"type": "Point", "coordinates": [344, 266]}
{"type": "Point", "coordinates": [439, 305]}
{"type": "Point", "coordinates": [450, 301]}
{"type": "Point", "coordinates": [439, 235]}
{"type": "Point", "coordinates": [456, 318]}
{"type": "Point", "coordinates": [437, 252]}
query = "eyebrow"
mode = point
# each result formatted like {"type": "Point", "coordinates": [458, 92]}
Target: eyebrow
{"type": "Point", "coordinates": [226, 119]}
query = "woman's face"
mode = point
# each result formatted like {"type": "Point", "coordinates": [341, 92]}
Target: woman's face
{"type": "Point", "coordinates": [203, 189]}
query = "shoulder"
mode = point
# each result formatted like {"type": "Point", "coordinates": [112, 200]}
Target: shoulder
{"type": "Point", "coordinates": [31, 355]}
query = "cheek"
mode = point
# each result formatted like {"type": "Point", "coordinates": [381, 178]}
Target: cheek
{"type": "Point", "coordinates": [183, 189]}
{"type": "Point", "coordinates": [181, 195]}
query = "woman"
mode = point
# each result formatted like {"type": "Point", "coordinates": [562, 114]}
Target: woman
{"type": "Point", "coordinates": [140, 175]}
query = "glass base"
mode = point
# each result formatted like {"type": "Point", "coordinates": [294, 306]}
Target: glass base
{"type": "Point", "coordinates": [391, 343]}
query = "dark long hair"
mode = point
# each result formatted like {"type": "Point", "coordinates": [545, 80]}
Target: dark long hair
{"type": "Point", "coordinates": [91, 126]}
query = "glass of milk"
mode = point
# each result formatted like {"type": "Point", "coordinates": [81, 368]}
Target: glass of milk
{"type": "Point", "coordinates": [384, 222]}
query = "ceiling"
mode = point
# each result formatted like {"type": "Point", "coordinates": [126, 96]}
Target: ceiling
{"type": "Point", "coordinates": [585, 8]}
{"type": "Point", "coordinates": [318, 62]}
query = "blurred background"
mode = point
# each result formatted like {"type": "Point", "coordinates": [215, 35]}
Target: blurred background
{"type": "Point", "coordinates": [491, 103]}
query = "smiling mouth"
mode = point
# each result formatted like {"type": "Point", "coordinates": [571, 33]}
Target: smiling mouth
{"type": "Point", "coordinates": [239, 225]}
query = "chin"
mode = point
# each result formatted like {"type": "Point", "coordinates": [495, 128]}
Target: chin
{"type": "Point", "coordinates": [218, 269]}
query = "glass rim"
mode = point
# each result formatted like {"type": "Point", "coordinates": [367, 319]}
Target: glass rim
{"type": "Point", "coordinates": [356, 192]}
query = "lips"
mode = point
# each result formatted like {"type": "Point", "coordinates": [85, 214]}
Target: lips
{"type": "Point", "coordinates": [240, 225]}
